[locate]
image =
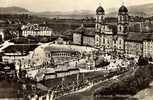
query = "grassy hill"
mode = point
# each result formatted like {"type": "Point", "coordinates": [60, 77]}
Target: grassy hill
{"type": "Point", "coordinates": [129, 83]}
{"type": "Point", "coordinates": [13, 10]}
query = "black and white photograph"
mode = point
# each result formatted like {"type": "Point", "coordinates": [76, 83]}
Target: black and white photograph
{"type": "Point", "coordinates": [76, 49]}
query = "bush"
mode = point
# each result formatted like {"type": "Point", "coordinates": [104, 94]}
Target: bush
{"type": "Point", "coordinates": [100, 62]}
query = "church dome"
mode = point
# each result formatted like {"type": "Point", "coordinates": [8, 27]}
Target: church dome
{"type": "Point", "coordinates": [123, 9]}
{"type": "Point", "coordinates": [100, 10]}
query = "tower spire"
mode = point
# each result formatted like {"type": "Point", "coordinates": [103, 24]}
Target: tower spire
{"type": "Point", "coordinates": [99, 3]}
{"type": "Point", "coordinates": [123, 2]}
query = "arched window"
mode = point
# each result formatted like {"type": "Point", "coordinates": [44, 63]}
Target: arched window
{"type": "Point", "coordinates": [120, 41]}
{"type": "Point", "coordinates": [120, 28]}
{"type": "Point", "coordinates": [103, 40]}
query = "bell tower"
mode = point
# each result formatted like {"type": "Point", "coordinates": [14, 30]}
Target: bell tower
{"type": "Point", "coordinates": [100, 14]}
{"type": "Point", "coordinates": [123, 20]}
{"type": "Point", "coordinates": [99, 26]}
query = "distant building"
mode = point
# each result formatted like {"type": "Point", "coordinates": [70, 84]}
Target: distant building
{"type": "Point", "coordinates": [18, 54]}
{"type": "Point", "coordinates": [36, 30]}
{"type": "Point", "coordinates": [134, 44]}
{"type": "Point", "coordinates": [61, 40]}
{"type": "Point", "coordinates": [88, 37]}
{"type": "Point", "coordinates": [142, 26]}
{"type": "Point", "coordinates": [77, 38]}
{"type": "Point", "coordinates": [136, 27]}
{"type": "Point", "coordinates": [137, 44]}
{"type": "Point", "coordinates": [148, 46]}
{"type": "Point", "coordinates": [84, 36]}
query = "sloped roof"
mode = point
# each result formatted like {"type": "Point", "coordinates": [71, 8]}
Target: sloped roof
{"type": "Point", "coordinates": [89, 31]}
{"type": "Point", "coordinates": [68, 32]}
{"type": "Point", "coordinates": [53, 47]}
{"type": "Point", "coordinates": [148, 36]}
{"type": "Point", "coordinates": [80, 29]}
{"type": "Point", "coordinates": [19, 48]}
{"type": "Point", "coordinates": [100, 10]}
{"type": "Point", "coordinates": [62, 47]}
{"type": "Point", "coordinates": [35, 28]}
{"type": "Point", "coordinates": [135, 36]}
{"type": "Point", "coordinates": [139, 37]}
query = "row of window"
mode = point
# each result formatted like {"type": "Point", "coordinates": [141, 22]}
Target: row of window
{"type": "Point", "coordinates": [48, 33]}
{"type": "Point", "coordinates": [133, 46]}
{"type": "Point", "coordinates": [110, 41]}
{"type": "Point", "coordinates": [100, 18]}
{"type": "Point", "coordinates": [60, 54]}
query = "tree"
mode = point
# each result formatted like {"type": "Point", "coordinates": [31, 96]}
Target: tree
{"type": "Point", "coordinates": [7, 35]}
{"type": "Point", "coordinates": [142, 60]}
{"type": "Point", "coordinates": [150, 59]}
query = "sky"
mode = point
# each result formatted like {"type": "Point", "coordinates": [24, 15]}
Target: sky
{"type": "Point", "coordinates": [69, 5]}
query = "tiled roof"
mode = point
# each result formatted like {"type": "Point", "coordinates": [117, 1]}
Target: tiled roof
{"type": "Point", "coordinates": [89, 31]}
{"type": "Point", "coordinates": [80, 29]}
{"type": "Point", "coordinates": [68, 32]}
{"type": "Point", "coordinates": [35, 28]}
{"type": "Point", "coordinates": [138, 36]}
{"type": "Point", "coordinates": [148, 36]}
{"type": "Point", "coordinates": [59, 48]}
{"type": "Point", "coordinates": [20, 48]}
{"type": "Point", "coordinates": [135, 36]}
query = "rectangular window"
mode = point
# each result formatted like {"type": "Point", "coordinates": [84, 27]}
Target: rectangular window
{"type": "Point", "coordinates": [108, 41]}
{"type": "Point", "coordinates": [97, 39]}
{"type": "Point", "coordinates": [120, 28]}
{"type": "Point", "coordinates": [114, 41]}
{"type": "Point", "coordinates": [44, 98]}
{"type": "Point", "coordinates": [96, 26]}
{"type": "Point", "coordinates": [120, 42]}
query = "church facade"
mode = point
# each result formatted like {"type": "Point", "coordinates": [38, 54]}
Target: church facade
{"type": "Point", "coordinates": [109, 38]}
